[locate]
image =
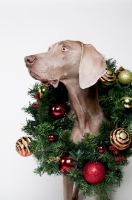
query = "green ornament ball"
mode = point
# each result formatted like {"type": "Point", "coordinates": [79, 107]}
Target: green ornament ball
{"type": "Point", "coordinates": [125, 77]}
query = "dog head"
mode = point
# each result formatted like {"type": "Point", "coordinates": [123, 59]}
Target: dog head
{"type": "Point", "coordinates": [67, 60]}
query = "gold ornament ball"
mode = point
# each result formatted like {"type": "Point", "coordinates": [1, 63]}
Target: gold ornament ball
{"type": "Point", "coordinates": [130, 127]}
{"type": "Point", "coordinates": [126, 101]}
{"type": "Point", "coordinates": [125, 77]}
{"type": "Point", "coordinates": [41, 90]}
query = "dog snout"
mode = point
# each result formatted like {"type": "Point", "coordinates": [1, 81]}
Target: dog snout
{"type": "Point", "coordinates": [29, 60]}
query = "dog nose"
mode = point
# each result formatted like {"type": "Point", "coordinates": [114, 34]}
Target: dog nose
{"type": "Point", "coordinates": [29, 60]}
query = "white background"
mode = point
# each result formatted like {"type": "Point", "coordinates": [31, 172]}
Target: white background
{"type": "Point", "coordinates": [31, 26]}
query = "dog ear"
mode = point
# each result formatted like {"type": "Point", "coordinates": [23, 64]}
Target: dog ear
{"type": "Point", "coordinates": [92, 66]}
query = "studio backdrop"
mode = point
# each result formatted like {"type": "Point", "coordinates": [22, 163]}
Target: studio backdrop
{"type": "Point", "coordinates": [29, 27]}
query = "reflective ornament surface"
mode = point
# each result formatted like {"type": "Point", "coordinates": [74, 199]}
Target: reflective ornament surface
{"type": "Point", "coordinates": [22, 146]}
{"type": "Point", "coordinates": [125, 77]}
{"type": "Point", "coordinates": [120, 138]}
{"type": "Point", "coordinates": [65, 163]}
{"type": "Point", "coordinates": [126, 101]}
{"type": "Point", "coordinates": [58, 110]}
{"type": "Point", "coordinates": [108, 78]}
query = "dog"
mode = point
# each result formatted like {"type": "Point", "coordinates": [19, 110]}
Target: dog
{"type": "Point", "coordinates": [78, 66]}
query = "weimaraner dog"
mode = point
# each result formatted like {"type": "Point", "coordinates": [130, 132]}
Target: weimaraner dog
{"type": "Point", "coordinates": [78, 66]}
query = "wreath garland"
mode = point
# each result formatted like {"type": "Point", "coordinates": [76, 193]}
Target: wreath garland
{"type": "Point", "coordinates": [96, 163]}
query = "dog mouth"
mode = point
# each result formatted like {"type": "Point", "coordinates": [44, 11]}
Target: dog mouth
{"type": "Point", "coordinates": [35, 76]}
{"type": "Point", "coordinates": [53, 82]}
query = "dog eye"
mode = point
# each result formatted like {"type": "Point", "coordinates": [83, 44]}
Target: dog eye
{"type": "Point", "coordinates": [64, 48]}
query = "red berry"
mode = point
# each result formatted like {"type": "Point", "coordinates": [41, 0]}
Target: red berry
{"type": "Point", "coordinates": [37, 95]}
{"type": "Point", "coordinates": [35, 105]}
{"type": "Point", "coordinates": [48, 85]}
{"type": "Point", "coordinates": [119, 158]}
{"type": "Point", "coordinates": [112, 148]}
{"type": "Point", "coordinates": [116, 152]}
{"type": "Point", "coordinates": [119, 70]}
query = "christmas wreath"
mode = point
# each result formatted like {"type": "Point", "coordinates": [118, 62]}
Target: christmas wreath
{"type": "Point", "coordinates": [96, 163]}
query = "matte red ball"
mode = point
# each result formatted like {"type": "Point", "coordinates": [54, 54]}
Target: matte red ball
{"type": "Point", "coordinates": [65, 163]}
{"type": "Point", "coordinates": [51, 137]}
{"type": "Point", "coordinates": [94, 172]}
{"type": "Point", "coordinates": [58, 110]}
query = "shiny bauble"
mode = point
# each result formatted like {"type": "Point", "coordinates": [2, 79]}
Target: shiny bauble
{"type": "Point", "coordinates": [22, 146]}
{"type": "Point", "coordinates": [125, 77]}
{"type": "Point", "coordinates": [58, 110]}
{"type": "Point", "coordinates": [65, 163]}
{"type": "Point", "coordinates": [101, 149]}
{"type": "Point", "coordinates": [51, 137]}
{"type": "Point", "coordinates": [120, 138]}
{"type": "Point", "coordinates": [94, 172]}
{"type": "Point", "coordinates": [126, 101]}
{"type": "Point", "coordinates": [130, 127]}
{"type": "Point", "coordinates": [41, 90]}
{"type": "Point", "coordinates": [108, 78]}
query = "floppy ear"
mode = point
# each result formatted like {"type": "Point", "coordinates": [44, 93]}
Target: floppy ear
{"type": "Point", "coordinates": [92, 66]}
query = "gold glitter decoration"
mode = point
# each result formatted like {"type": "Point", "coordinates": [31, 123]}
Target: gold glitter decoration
{"type": "Point", "coordinates": [53, 159]}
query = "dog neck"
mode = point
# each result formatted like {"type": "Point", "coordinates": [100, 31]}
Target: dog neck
{"type": "Point", "coordinates": [84, 104]}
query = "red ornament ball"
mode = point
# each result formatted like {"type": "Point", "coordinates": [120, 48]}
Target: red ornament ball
{"type": "Point", "coordinates": [93, 172]}
{"type": "Point", "coordinates": [65, 163]}
{"type": "Point", "coordinates": [101, 149]}
{"type": "Point", "coordinates": [51, 137]}
{"type": "Point", "coordinates": [58, 110]}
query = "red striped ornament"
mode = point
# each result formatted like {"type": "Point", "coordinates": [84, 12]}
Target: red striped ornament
{"type": "Point", "coordinates": [120, 138]}
{"type": "Point", "coordinates": [22, 146]}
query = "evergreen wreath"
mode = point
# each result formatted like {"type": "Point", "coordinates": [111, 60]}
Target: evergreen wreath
{"type": "Point", "coordinates": [50, 129]}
